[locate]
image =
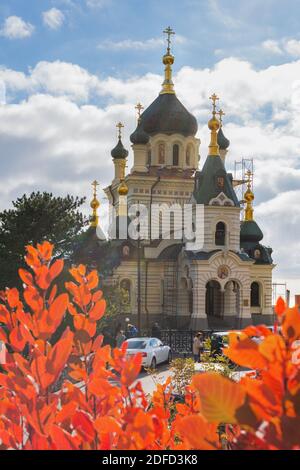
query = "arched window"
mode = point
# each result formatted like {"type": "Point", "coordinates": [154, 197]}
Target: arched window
{"type": "Point", "coordinates": [255, 294]}
{"type": "Point", "coordinates": [125, 286]}
{"type": "Point", "coordinates": [161, 153]}
{"type": "Point", "coordinates": [220, 234]}
{"type": "Point", "coordinates": [175, 154]}
{"type": "Point", "coordinates": [188, 156]}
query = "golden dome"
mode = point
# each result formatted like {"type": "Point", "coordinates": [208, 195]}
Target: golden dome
{"type": "Point", "coordinates": [95, 203]}
{"type": "Point", "coordinates": [249, 196]}
{"type": "Point", "coordinates": [123, 189]}
{"type": "Point", "coordinates": [168, 59]}
{"type": "Point", "coordinates": [213, 124]}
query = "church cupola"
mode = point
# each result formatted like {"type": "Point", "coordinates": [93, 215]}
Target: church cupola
{"type": "Point", "coordinates": [95, 204]}
{"type": "Point", "coordinates": [251, 234]}
{"type": "Point", "coordinates": [223, 142]}
{"type": "Point", "coordinates": [213, 185]}
{"type": "Point", "coordinates": [165, 133]}
{"type": "Point", "coordinates": [119, 155]}
{"type": "Point", "coordinates": [140, 139]}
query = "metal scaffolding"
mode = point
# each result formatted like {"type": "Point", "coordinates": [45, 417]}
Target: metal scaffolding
{"type": "Point", "coordinates": [279, 289]}
{"type": "Point", "coordinates": [241, 168]}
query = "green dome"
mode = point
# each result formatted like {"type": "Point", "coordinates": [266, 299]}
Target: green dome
{"type": "Point", "coordinates": [223, 142]}
{"type": "Point", "coordinates": [119, 151]}
{"type": "Point", "coordinates": [167, 115]}
{"type": "Point", "coordinates": [250, 232]}
{"type": "Point", "coordinates": [139, 136]}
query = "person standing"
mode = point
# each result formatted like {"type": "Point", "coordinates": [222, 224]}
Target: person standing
{"type": "Point", "coordinates": [120, 338]}
{"type": "Point", "coordinates": [156, 333]}
{"type": "Point", "coordinates": [196, 347]}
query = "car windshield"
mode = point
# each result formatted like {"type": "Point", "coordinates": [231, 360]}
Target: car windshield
{"type": "Point", "coordinates": [136, 344]}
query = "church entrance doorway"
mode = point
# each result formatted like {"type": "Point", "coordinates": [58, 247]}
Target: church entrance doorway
{"type": "Point", "coordinates": [214, 297]}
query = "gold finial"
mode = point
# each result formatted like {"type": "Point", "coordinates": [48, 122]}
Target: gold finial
{"type": "Point", "coordinates": [119, 126]}
{"type": "Point", "coordinates": [221, 114]}
{"type": "Point", "coordinates": [95, 205]}
{"type": "Point", "coordinates": [249, 198]}
{"type": "Point", "coordinates": [168, 61]}
{"type": "Point", "coordinates": [214, 125]}
{"type": "Point", "coordinates": [123, 188]}
{"type": "Point", "coordinates": [139, 108]}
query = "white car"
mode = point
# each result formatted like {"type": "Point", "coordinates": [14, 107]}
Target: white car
{"type": "Point", "coordinates": [153, 351]}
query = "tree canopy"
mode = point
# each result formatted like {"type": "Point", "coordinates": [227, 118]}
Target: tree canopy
{"type": "Point", "coordinates": [33, 219]}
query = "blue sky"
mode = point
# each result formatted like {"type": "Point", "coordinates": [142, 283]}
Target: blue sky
{"type": "Point", "coordinates": [212, 28]}
{"type": "Point", "coordinates": [71, 69]}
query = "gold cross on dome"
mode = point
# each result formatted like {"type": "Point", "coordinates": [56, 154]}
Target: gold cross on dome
{"type": "Point", "coordinates": [214, 98]}
{"type": "Point", "coordinates": [221, 114]}
{"type": "Point", "coordinates": [139, 108]}
{"type": "Point", "coordinates": [120, 126]}
{"type": "Point", "coordinates": [95, 184]}
{"type": "Point", "coordinates": [169, 32]}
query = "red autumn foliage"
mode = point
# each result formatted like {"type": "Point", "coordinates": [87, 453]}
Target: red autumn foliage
{"type": "Point", "coordinates": [78, 394]}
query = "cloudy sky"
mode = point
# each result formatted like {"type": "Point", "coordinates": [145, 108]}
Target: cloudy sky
{"type": "Point", "coordinates": [70, 69]}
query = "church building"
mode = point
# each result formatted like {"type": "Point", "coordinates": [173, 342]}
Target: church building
{"type": "Point", "coordinates": [227, 282]}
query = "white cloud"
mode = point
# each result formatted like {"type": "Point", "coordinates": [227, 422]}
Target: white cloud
{"type": "Point", "coordinates": [97, 3]}
{"type": "Point", "coordinates": [272, 46]}
{"type": "Point", "coordinates": [131, 44]}
{"type": "Point", "coordinates": [293, 47]}
{"type": "Point", "coordinates": [53, 18]}
{"type": "Point", "coordinates": [16, 28]}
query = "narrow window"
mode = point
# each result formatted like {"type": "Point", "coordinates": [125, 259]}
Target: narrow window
{"type": "Point", "coordinates": [175, 155]}
{"type": "Point", "coordinates": [255, 294]}
{"type": "Point", "coordinates": [220, 234]}
{"type": "Point", "coordinates": [161, 154]}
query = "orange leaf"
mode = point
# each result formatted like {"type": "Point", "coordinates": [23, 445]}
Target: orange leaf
{"type": "Point", "coordinates": [45, 250]}
{"type": "Point", "coordinates": [43, 278]}
{"type": "Point", "coordinates": [246, 353]}
{"type": "Point", "coordinates": [83, 425]}
{"type": "Point", "coordinates": [16, 339]}
{"type": "Point", "coordinates": [220, 397]}
{"type": "Point", "coordinates": [56, 268]}
{"type": "Point", "coordinates": [63, 440]}
{"type": "Point", "coordinates": [57, 310]}
{"type": "Point", "coordinates": [98, 310]}
{"type": "Point", "coordinates": [12, 297]}
{"type": "Point", "coordinates": [107, 424]}
{"type": "Point", "coordinates": [197, 433]}
{"type": "Point", "coordinates": [131, 370]}
{"type": "Point", "coordinates": [280, 306]}
{"type": "Point", "coordinates": [291, 324]}
{"type": "Point", "coordinates": [26, 277]}
{"type": "Point", "coordinates": [92, 280]}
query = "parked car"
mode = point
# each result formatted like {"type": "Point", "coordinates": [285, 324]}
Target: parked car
{"type": "Point", "coordinates": [153, 351]}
